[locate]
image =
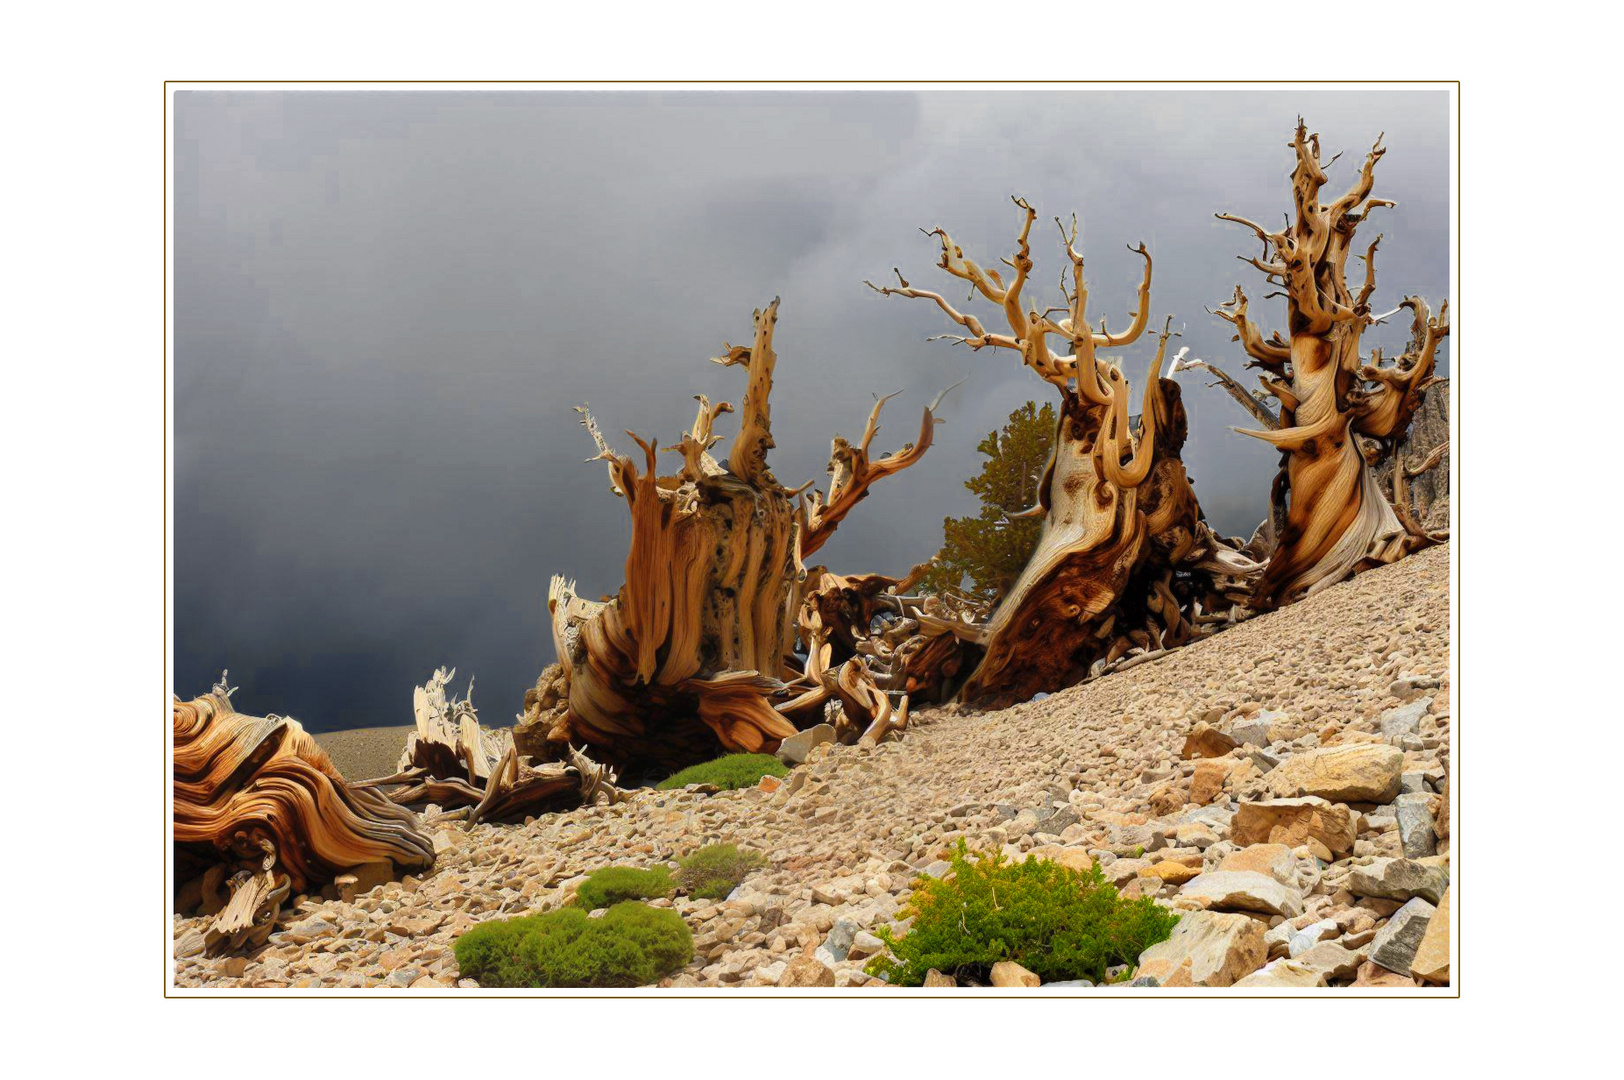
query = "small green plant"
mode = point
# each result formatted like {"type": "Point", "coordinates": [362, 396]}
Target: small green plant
{"type": "Point", "coordinates": [727, 773]}
{"type": "Point", "coordinates": [716, 869]}
{"type": "Point", "coordinates": [632, 944]}
{"type": "Point", "coordinates": [613, 884]}
{"type": "Point", "coordinates": [1056, 922]}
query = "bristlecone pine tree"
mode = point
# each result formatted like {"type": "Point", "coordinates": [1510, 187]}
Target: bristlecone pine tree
{"type": "Point", "coordinates": [696, 654]}
{"type": "Point", "coordinates": [1124, 564]}
{"type": "Point", "coordinates": [1338, 414]}
{"type": "Point", "coordinates": [992, 548]}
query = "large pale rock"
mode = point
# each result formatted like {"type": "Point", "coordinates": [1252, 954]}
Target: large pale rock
{"type": "Point", "coordinates": [1173, 873]}
{"type": "Point", "coordinates": [1208, 948]}
{"type": "Point", "coordinates": [1431, 961]}
{"type": "Point", "coordinates": [1416, 835]}
{"type": "Point", "coordinates": [1274, 860]}
{"type": "Point", "coordinates": [1395, 944]}
{"type": "Point", "coordinates": [1074, 857]}
{"type": "Point", "coordinates": [1244, 890]}
{"type": "Point", "coordinates": [1293, 822]}
{"type": "Point", "coordinates": [934, 978]}
{"type": "Point", "coordinates": [793, 750]}
{"type": "Point", "coordinates": [1373, 974]}
{"type": "Point", "coordinates": [1206, 741]}
{"type": "Point", "coordinates": [1284, 973]}
{"type": "Point", "coordinates": [806, 971]}
{"type": "Point", "coordinates": [1398, 879]}
{"type": "Point", "coordinates": [1009, 973]}
{"type": "Point", "coordinates": [1333, 959]}
{"type": "Point", "coordinates": [1358, 772]}
{"type": "Point", "coordinates": [1208, 781]}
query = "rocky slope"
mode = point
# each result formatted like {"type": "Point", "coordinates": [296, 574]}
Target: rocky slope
{"type": "Point", "coordinates": [1277, 783]}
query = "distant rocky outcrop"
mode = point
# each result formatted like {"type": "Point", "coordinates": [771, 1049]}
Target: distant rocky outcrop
{"type": "Point", "coordinates": [1429, 492]}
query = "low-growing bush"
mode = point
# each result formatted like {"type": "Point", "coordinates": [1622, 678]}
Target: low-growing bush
{"type": "Point", "coordinates": [1056, 922]}
{"type": "Point", "coordinates": [716, 870]}
{"type": "Point", "coordinates": [613, 884]}
{"type": "Point", "coordinates": [632, 944]}
{"type": "Point", "coordinates": [727, 773]}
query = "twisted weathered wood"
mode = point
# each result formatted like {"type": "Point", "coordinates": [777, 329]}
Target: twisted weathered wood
{"type": "Point", "coordinates": [257, 799]}
{"type": "Point", "coordinates": [1120, 516]}
{"type": "Point", "coordinates": [695, 653]}
{"type": "Point", "coordinates": [1338, 415]}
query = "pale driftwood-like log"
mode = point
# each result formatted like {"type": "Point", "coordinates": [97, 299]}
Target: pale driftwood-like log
{"type": "Point", "coordinates": [695, 654]}
{"type": "Point", "coordinates": [1338, 414]}
{"type": "Point", "coordinates": [259, 806]}
{"type": "Point", "coordinates": [1120, 519]}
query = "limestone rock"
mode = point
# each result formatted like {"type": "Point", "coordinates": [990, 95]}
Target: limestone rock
{"type": "Point", "coordinates": [1171, 872]}
{"type": "Point", "coordinates": [1293, 822]}
{"type": "Point", "coordinates": [806, 971]}
{"type": "Point", "coordinates": [1075, 857]}
{"type": "Point", "coordinates": [1333, 959]}
{"type": "Point", "coordinates": [1415, 831]}
{"type": "Point", "coordinates": [1373, 974]}
{"type": "Point", "coordinates": [1395, 944]}
{"type": "Point", "coordinates": [1009, 973]}
{"type": "Point", "coordinates": [1274, 860]}
{"type": "Point", "coordinates": [1208, 782]}
{"type": "Point", "coordinates": [1357, 772]}
{"type": "Point", "coordinates": [937, 979]}
{"type": "Point", "coordinates": [793, 750]}
{"type": "Point", "coordinates": [1206, 741]}
{"type": "Point", "coordinates": [1208, 948]}
{"type": "Point", "coordinates": [1284, 973]}
{"type": "Point", "coordinates": [1244, 890]}
{"type": "Point", "coordinates": [1431, 961]}
{"type": "Point", "coordinates": [1398, 879]}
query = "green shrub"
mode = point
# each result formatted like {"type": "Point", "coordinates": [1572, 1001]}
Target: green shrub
{"type": "Point", "coordinates": [716, 869]}
{"type": "Point", "coordinates": [613, 884]}
{"type": "Point", "coordinates": [1056, 922]}
{"type": "Point", "coordinates": [632, 944]}
{"type": "Point", "coordinates": [727, 773]}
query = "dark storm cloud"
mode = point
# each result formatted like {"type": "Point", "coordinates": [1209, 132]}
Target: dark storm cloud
{"type": "Point", "coordinates": [386, 303]}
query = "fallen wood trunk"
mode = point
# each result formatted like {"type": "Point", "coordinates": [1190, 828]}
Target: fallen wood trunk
{"type": "Point", "coordinates": [259, 806]}
{"type": "Point", "coordinates": [479, 774]}
{"type": "Point", "coordinates": [1339, 415]}
{"type": "Point", "coordinates": [1125, 561]}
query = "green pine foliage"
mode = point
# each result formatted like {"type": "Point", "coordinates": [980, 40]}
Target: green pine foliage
{"type": "Point", "coordinates": [1056, 922]}
{"type": "Point", "coordinates": [990, 549]}
{"type": "Point", "coordinates": [632, 944]}
{"type": "Point", "coordinates": [613, 884]}
{"type": "Point", "coordinates": [716, 870]}
{"type": "Point", "coordinates": [727, 773]}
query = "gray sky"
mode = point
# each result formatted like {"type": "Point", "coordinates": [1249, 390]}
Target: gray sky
{"type": "Point", "coordinates": [387, 303]}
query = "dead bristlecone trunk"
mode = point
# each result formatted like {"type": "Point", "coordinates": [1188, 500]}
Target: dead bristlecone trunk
{"type": "Point", "coordinates": [1125, 566]}
{"type": "Point", "coordinates": [1339, 414]}
{"type": "Point", "coordinates": [695, 655]}
{"type": "Point", "coordinates": [261, 813]}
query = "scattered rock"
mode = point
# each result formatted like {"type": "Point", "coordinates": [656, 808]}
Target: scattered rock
{"type": "Point", "coordinates": [1398, 879]}
{"type": "Point", "coordinates": [1274, 860]}
{"type": "Point", "coordinates": [1415, 832]}
{"type": "Point", "coordinates": [1373, 974]}
{"type": "Point", "coordinates": [1395, 944]}
{"type": "Point", "coordinates": [1208, 948]}
{"type": "Point", "coordinates": [1206, 741]}
{"type": "Point", "coordinates": [1431, 961]}
{"type": "Point", "coordinates": [1171, 872]}
{"type": "Point", "coordinates": [1208, 782]}
{"type": "Point", "coordinates": [934, 978]}
{"type": "Point", "coordinates": [806, 971]}
{"type": "Point", "coordinates": [793, 750]}
{"type": "Point", "coordinates": [1293, 822]}
{"type": "Point", "coordinates": [1284, 973]}
{"type": "Point", "coordinates": [1009, 973]}
{"type": "Point", "coordinates": [1359, 772]}
{"type": "Point", "coordinates": [1242, 890]}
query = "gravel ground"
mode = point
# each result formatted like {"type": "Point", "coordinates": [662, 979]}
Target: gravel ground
{"type": "Point", "coordinates": [1095, 769]}
{"type": "Point", "coordinates": [365, 753]}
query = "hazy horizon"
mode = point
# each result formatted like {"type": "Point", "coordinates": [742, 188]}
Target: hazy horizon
{"type": "Point", "coordinates": [386, 305]}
